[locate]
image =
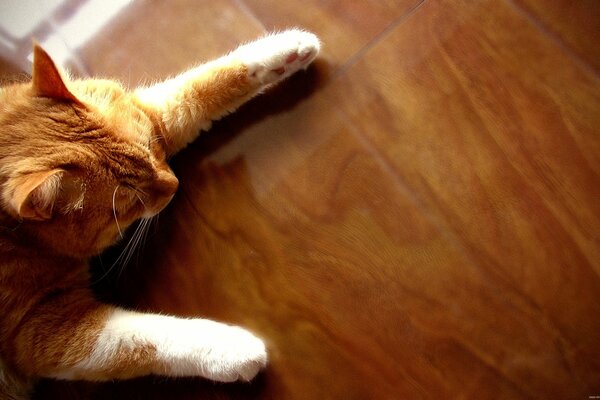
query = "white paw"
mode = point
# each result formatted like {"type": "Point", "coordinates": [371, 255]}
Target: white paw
{"type": "Point", "coordinates": [279, 55]}
{"type": "Point", "coordinates": [238, 355]}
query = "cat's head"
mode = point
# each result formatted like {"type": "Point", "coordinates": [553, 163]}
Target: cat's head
{"type": "Point", "coordinates": [79, 161]}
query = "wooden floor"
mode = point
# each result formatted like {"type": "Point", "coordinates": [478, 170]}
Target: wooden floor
{"type": "Point", "coordinates": [416, 217]}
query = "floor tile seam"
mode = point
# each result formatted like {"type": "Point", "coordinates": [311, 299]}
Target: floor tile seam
{"type": "Point", "coordinates": [553, 37]}
{"type": "Point", "coordinates": [359, 55]}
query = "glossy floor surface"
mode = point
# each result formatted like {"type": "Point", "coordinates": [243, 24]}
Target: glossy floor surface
{"type": "Point", "coordinates": [416, 216]}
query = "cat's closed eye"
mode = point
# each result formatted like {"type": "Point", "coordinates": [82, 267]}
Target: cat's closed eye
{"type": "Point", "coordinates": [126, 196]}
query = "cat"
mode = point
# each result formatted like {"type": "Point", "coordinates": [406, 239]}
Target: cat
{"type": "Point", "coordinates": [80, 160]}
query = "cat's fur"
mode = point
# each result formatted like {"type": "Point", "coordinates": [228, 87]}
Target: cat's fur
{"type": "Point", "coordinates": [80, 160]}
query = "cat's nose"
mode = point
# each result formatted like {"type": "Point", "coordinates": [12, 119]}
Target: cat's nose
{"type": "Point", "coordinates": [163, 190]}
{"type": "Point", "coordinates": [167, 183]}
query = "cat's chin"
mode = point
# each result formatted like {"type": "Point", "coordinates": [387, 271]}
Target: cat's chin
{"type": "Point", "coordinates": [149, 214]}
{"type": "Point", "coordinates": [107, 241]}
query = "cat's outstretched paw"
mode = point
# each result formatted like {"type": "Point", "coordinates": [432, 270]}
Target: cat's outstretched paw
{"type": "Point", "coordinates": [238, 355]}
{"type": "Point", "coordinates": [279, 55]}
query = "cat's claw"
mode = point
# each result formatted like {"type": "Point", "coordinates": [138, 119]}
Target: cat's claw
{"type": "Point", "coordinates": [278, 56]}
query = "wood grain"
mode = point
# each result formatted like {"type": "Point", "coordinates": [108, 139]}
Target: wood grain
{"type": "Point", "coordinates": [575, 23]}
{"type": "Point", "coordinates": [422, 222]}
{"type": "Point", "coordinates": [503, 153]}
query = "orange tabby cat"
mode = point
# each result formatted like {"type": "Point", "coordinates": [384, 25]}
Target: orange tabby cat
{"type": "Point", "coordinates": [80, 160]}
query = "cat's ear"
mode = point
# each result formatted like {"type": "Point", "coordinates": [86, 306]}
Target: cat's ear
{"type": "Point", "coordinates": [32, 196]}
{"type": "Point", "coordinates": [47, 80]}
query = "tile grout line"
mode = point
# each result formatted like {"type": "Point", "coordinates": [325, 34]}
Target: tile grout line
{"type": "Point", "coordinates": [553, 37]}
{"type": "Point", "coordinates": [377, 39]}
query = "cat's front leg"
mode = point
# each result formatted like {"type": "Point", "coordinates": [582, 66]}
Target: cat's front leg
{"type": "Point", "coordinates": [74, 337]}
{"type": "Point", "coordinates": [132, 344]}
{"type": "Point", "coordinates": [190, 102]}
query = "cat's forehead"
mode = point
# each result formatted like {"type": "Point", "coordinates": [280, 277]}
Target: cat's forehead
{"type": "Point", "coordinates": [115, 107]}
{"type": "Point", "coordinates": [129, 123]}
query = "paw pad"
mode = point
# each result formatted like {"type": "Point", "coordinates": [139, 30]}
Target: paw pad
{"type": "Point", "coordinates": [277, 56]}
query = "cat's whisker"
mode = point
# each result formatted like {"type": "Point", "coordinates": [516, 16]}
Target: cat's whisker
{"type": "Point", "coordinates": [142, 240]}
{"type": "Point", "coordinates": [119, 258]}
{"type": "Point", "coordinates": [151, 221]}
{"type": "Point", "coordinates": [140, 199]}
{"type": "Point", "coordinates": [115, 211]}
{"type": "Point", "coordinates": [139, 237]}
{"type": "Point", "coordinates": [122, 259]}
{"type": "Point", "coordinates": [134, 243]}
{"type": "Point", "coordinates": [124, 256]}
{"type": "Point", "coordinates": [136, 191]}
